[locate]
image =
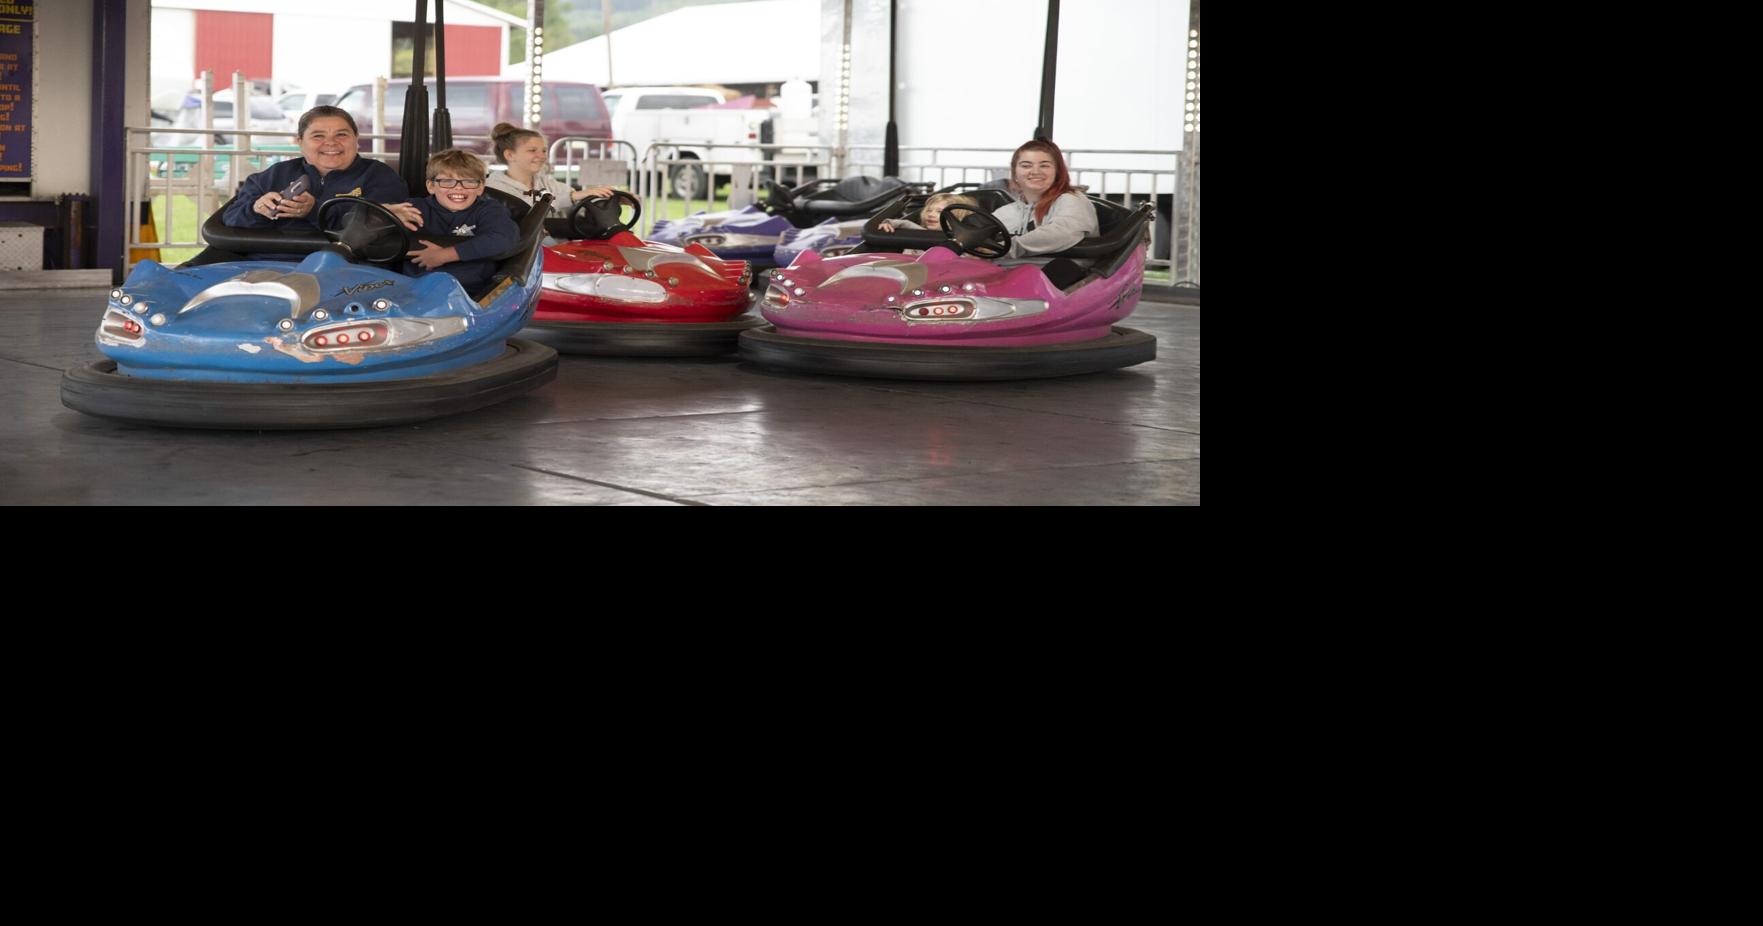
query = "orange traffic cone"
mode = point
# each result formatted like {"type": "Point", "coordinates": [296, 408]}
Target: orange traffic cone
{"type": "Point", "coordinates": [149, 232]}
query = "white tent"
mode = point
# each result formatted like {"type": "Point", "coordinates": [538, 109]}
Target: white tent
{"type": "Point", "coordinates": [769, 41]}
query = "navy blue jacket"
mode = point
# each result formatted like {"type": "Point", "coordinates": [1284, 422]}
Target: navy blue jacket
{"type": "Point", "coordinates": [486, 223]}
{"type": "Point", "coordinates": [366, 178]}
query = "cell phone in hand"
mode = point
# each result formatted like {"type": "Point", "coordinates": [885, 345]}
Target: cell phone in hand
{"type": "Point", "coordinates": [300, 184]}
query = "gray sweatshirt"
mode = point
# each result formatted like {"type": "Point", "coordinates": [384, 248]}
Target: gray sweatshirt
{"type": "Point", "coordinates": [560, 204]}
{"type": "Point", "coordinates": [1069, 221]}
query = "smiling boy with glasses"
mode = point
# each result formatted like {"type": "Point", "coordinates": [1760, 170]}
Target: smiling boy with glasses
{"type": "Point", "coordinates": [455, 207]}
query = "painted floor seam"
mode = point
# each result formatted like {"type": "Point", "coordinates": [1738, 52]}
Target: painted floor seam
{"type": "Point", "coordinates": [609, 485]}
{"type": "Point", "coordinates": [30, 364]}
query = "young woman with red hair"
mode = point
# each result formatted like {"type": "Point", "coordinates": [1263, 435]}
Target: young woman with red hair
{"type": "Point", "coordinates": [1048, 215]}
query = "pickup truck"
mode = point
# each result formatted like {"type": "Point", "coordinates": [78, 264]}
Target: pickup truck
{"type": "Point", "coordinates": [679, 117]}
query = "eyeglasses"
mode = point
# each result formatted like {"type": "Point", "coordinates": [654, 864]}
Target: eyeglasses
{"type": "Point", "coordinates": [448, 183]}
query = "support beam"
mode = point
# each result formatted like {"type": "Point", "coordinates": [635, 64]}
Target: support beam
{"type": "Point", "coordinates": [606, 30]}
{"type": "Point", "coordinates": [1049, 78]}
{"type": "Point", "coordinates": [891, 156]}
{"type": "Point", "coordinates": [109, 146]}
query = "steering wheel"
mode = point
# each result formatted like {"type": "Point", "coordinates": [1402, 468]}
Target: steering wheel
{"type": "Point", "coordinates": [598, 218]}
{"type": "Point", "coordinates": [372, 233]}
{"type": "Point", "coordinates": [778, 199]}
{"type": "Point", "coordinates": [978, 232]}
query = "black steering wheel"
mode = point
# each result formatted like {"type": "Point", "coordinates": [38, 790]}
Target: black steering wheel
{"type": "Point", "coordinates": [598, 218]}
{"type": "Point", "coordinates": [778, 199]}
{"type": "Point", "coordinates": [371, 233]}
{"type": "Point", "coordinates": [978, 232]}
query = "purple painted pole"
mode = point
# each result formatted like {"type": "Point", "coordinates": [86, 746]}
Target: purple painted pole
{"type": "Point", "coordinates": [109, 144]}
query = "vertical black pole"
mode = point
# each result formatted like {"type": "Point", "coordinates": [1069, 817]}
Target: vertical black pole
{"type": "Point", "coordinates": [413, 136]}
{"type": "Point", "coordinates": [1044, 132]}
{"type": "Point", "coordinates": [891, 154]}
{"type": "Point", "coordinates": [443, 120]}
{"type": "Point", "coordinates": [419, 67]}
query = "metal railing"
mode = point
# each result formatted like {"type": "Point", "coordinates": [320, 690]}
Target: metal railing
{"type": "Point", "coordinates": [1130, 177]}
{"type": "Point", "coordinates": [195, 180]}
{"type": "Point", "coordinates": [667, 174]}
{"type": "Point", "coordinates": [661, 176]}
{"type": "Point", "coordinates": [569, 156]}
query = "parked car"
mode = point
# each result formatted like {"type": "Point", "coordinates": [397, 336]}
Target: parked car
{"type": "Point", "coordinates": [296, 102]}
{"type": "Point", "coordinates": [163, 109]}
{"type": "Point", "coordinates": [625, 100]}
{"type": "Point", "coordinates": [476, 104]}
{"type": "Point", "coordinates": [266, 116]}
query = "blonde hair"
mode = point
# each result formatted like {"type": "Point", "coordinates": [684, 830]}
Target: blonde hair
{"type": "Point", "coordinates": [463, 164]}
{"type": "Point", "coordinates": [947, 200]}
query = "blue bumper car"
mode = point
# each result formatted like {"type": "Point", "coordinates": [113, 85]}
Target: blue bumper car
{"type": "Point", "coordinates": [338, 340]}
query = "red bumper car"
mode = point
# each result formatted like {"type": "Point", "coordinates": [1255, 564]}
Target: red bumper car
{"type": "Point", "coordinates": [608, 293]}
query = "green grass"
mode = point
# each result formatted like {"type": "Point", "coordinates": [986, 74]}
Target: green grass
{"type": "Point", "coordinates": [677, 208]}
{"type": "Point", "coordinates": [185, 222]}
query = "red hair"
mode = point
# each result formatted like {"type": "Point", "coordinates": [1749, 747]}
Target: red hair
{"type": "Point", "coordinates": [1061, 177]}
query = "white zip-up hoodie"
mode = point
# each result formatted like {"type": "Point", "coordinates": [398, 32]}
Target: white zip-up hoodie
{"type": "Point", "coordinates": [1071, 219]}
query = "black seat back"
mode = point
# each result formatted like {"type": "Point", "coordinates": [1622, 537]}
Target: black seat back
{"type": "Point", "coordinates": [1117, 229]}
{"type": "Point", "coordinates": [859, 188]}
{"type": "Point", "coordinates": [516, 264]}
{"type": "Point", "coordinates": [852, 196]}
{"type": "Point", "coordinates": [991, 200]}
{"type": "Point", "coordinates": [220, 235]}
{"type": "Point", "coordinates": [517, 205]}
{"type": "Point", "coordinates": [1108, 216]}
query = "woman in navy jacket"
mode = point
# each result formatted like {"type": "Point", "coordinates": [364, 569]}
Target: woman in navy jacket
{"type": "Point", "coordinates": [330, 166]}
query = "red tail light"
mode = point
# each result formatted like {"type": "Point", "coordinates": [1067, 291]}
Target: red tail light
{"type": "Point", "coordinates": [932, 310]}
{"type": "Point", "coordinates": [367, 335]}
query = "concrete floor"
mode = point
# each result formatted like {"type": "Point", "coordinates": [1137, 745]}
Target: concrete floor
{"type": "Point", "coordinates": [630, 432]}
